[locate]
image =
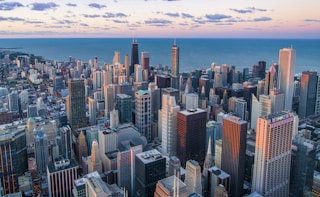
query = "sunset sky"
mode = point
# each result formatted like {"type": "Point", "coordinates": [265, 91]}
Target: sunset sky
{"type": "Point", "coordinates": [160, 18]}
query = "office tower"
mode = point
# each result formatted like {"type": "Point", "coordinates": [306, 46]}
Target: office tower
{"type": "Point", "coordinates": [138, 73]}
{"type": "Point", "coordinates": [193, 177]}
{"type": "Point", "coordinates": [175, 59]}
{"type": "Point", "coordinates": [41, 151]}
{"type": "Point", "coordinates": [91, 134]}
{"type": "Point", "coordinates": [213, 98]}
{"type": "Point", "coordinates": [208, 162]}
{"type": "Point", "coordinates": [213, 132]}
{"type": "Point", "coordinates": [97, 80]}
{"type": "Point", "coordinates": [224, 72]}
{"type": "Point", "coordinates": [92, 102]}
{"type": "Point", "coordinates": [308, 91]}
{"type": "Point", "coordinates": [277, 100]}
{"type": "Point", "coordinates": [217, 177]}
{"type": "Point", "coordinates": [168, 123]}
{"type": "Point", "coordinates": [81, 148]}
{"type": "Point", "coordinates": [247, 91]}
{"type": "Point", "coordinates": [108, 141]}
{"type": "Point", "coordinates": [175, 82]}
{"type": "Point", "coordinates": [163, 81]}
{"type": "Point", "coordinates": [317, 107]}
{"type": "Point", "coordinates": [13, 102]}
{"type": "Point", "coordinates": [192, 101]}
{"type": "Point", "coordinates": [240, 108]}
{"type": "Point", "coordinates": [262, 69]}
{"type": "Point", "coordinates": [191, 135]}
{"type": "Point", "coordinates": [145, 61]}
{"type": "Point", "coordinates": [94, 162]}
{"type": "Point", "coordinates": [13, 157]}
{"type": "Point", "coordinates": [116, 57]}
{"type": "Point", "coordinates": [174, 166]}
{"type": "Point", "coordinates": [233, 151]}
{"type": "Point", "coordinates": [124, 106]}
{"type": "Point", "coordinates": [260, 87]}
{"type": "Point", "coordinates": [134, 55]}
{"type": "Point", "coordinates": [114, 118]}
{"type": "Point", "coordinates": [265, 105]}
{"type": "Point", "coordinates": [302, 166]}
{"type": "Point", "coordinates": [150, 167]}
{"type": "Point", "coordinates": [32, 111]}
{"type": "Point", "coordinates": [171, 187]}
{"type": "Point", "coordinates": [287, 62]}
{"type": "Point", "coordinates": [217, 81]}
{"type": "Point", "coordinates": [127, 66]}
{"type": "Point", "coordinates": [221, 191]}
{"type": "Point", "coordinates": [271, 174]}
{"type": "Point", "coordinates": [126, 168]}
{"type": "Point", "coordinates": [143, 113]}
{"type": "Point", "coordinates": [76, 104]}
{"type": "Point", "coordinates": [107, 77]}
{"type": "Point", "coordinates": [95, 62]}
{"type": "Point", "coordinates": [255, 112]}
{"type": "Point", "coordinates": [271, 79]}
{"type": "Point", "coordinates": [61, 175]}
{"type": "Point", "coordinates": [202, 99]}
{"type": "Point", "coordinates": [109, 98]}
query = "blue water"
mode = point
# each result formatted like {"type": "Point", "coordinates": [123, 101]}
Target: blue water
{"type": "Point", "coordinates": [194, 53]}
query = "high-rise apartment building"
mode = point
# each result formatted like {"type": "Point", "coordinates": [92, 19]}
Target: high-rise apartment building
{"type": "Point", "coordinates": [134, 55]}
{"type": "Point", "coordinates": [41, 151]}
{"type": "Point", "coordinates": [308, 94]}
{"type": "Point", "coordinates": [76, 104]}
{"type": "Point", "coordinates": [233, 152]}
{"type": "Point", "coordinates": [191, 135]}
{"type": "Point", "coordinates": [287, 62]}
{"type": "Point", "coordinates": [175, 59]}
{"type": "Point", "coordinates": [143, 113]}
{"type": "Point", "coordinates": [271, 174]}
{"type": "Point", "coordinates": [150, 167]}
{"type": "Point", "coordinates": [169, 124]}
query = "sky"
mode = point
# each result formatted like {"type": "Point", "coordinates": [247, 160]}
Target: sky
{"type": "Point", "coordinates": [160, 18]}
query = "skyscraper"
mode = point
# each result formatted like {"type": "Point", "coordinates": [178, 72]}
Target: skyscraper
{"type": "Point", "coordinates": [175, 59]}
{"type": "Point", "coordinates": [193, 177]}
{"type": "Point", "coordinates": [171, 187]}
{"type": "Point", "coordinates": [191, 135]}
{"type": "Point", "coordinates": [233, 152]}
{"type": "Point", "coordinates": [271, 79]}
{"type": "Point", "coordinates": [76, 104]}
{"type": "Point", "coordinates": [134, 55]}
{"type": "Point", "coordinates": [150, 167]}
{"type": "Point", "coordinates": [145, 61]}
{"type": "Point", "coordinates": [317, 107]}
{"type": "Point", "coordinates": [308, 91]}
{"type": "Point", "coordinates": [217, 177]}
{"type": "Point", "coordinates": [169, 124]}
{"type": "Point", "coordinates": [143, 113]}
{"type": "Point", "coordinates": [13, 102]}
{"type": "Point", "coordinates": [94, 162]}
{"type": "Point", "coordinates": [41, 151]}
{"type": "Point", "coordinates": [287, 62]}
{"type": "Point", "coordinates": [124, 106]}
{"type": "Point", "coordinates": [92, 102]}
{"type": "Point", "coordinates": [271, 174]}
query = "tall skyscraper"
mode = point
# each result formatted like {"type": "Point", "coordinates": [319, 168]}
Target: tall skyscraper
{"type": "Point", "coordinates": [150, 167]}
{"type": "Point", "coordinates": [191, 135]}
{"type": "Point", "coordinates": [175, 59]}
{"type": "Point", "coordinates": [134, 55]}
{"type": "Point", "coordinates": [271, 174]}
{"type": "Point", "coordinates": [193, 177]}
{"type": "Point", "coordinates": [169, 124]}
{"type": "Point", "coordinates": [317, 107]}
{"type": "Point", "coordinates": [171, 187]}
{"type": "Point", "coordinates": [94, 162]}
{"type": "Point", "coordinates": [143, 113]}
{"type": "Point", "coordinates": [13, 157]}
{"type": "Point", "coordinates": [76, 104]}
{"type": "Point", "coordinates": [308, 93]}
{"type": "Point", "coordinates": [217, 177]}
{"type": "Point", "coordinates": [233, 152]}
{"type": "Point", "coordinates": [287, 62]}
{"type": "Point", "coordinates": [92, 103]}
{"type": "Point", "coordinates": [145, 61]}
{"type": "Point", "coordinates": [13, 102]}
{"type": "Point", "coordinates": [41, 151]}
{"type": "Point", "coordinates": [81, 149]}
{"type": "Point", "coordinates": [271, 79]}
{"type": "Point", "coordinates": [124, 106]}
{"type": "Point", "coordinates": [208, 162]}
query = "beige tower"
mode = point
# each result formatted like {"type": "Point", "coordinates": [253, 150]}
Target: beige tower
{"type": "Point", "coordinates": [94, 162]}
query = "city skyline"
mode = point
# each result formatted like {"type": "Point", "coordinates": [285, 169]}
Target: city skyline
{"type": "Point", "coordinates": [159, 18]}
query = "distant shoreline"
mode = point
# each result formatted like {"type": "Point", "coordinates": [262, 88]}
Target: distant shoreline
{"type": "Point", "coordinates": [10, 48]}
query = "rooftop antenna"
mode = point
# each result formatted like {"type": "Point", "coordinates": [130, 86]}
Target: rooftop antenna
{"type": "Point", "coordinates": [174, 42]}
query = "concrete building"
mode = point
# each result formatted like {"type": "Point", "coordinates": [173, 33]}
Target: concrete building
{"type": "Point", "coordinates": [193, 177]}
{"type": "Point", "coordinates": [171, 187]}
{"type": "Point", "coordinates": [217, 177]}
{"type": "Point", "coordinates": [143, 113]}
{"type": "Point", "coordinates": [41, 151]}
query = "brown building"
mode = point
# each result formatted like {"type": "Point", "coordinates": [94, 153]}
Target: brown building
{"type": "Point", "coordinates": [234, 139]}
{"type": "Point", "coordinates": [6, 117]}
{"type": "Point", "coordinates": [191, 127]}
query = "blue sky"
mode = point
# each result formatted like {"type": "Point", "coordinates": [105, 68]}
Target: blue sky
{"type": "Point", "coordinates": [160, 18]}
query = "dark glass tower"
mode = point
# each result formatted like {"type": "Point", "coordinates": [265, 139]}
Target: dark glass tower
{"type": "Point", "coordinates": [134, 55]}
{"type": "Point", "coordinates": [308, 93]}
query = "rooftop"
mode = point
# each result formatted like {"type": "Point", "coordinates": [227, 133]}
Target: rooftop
{"type": "Point", "coordinates": [149, 156]}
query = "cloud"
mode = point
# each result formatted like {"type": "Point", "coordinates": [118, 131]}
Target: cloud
{"type": "Point", "coordinates": [67, 22]}
{"type": "Point", "coordinates": [43, 6]}
{"type": "Point", "coordinates": [114, 15]}
{"type": "Point", "coordinates": [120, 21]}
{"type": "Point", "coordinates": [71, 4]}
{"type": "Point", "coordinates": [10, 5]}
{"type": "Point", "coordinates": [84, 24]}
{"type": "Point", "coordinates": [312, 20]}
{"type": "Point", "coordinates": [248, 10]}
{"type": "Point", "coordinates": [34, 22]}
{"type": "Point", "coordinates": [223, 24]}
{"type": "Point", "coordinates": [216, 17]}
{"type": "Point", "coordinates": [11, 19]}
{"type": "Point", "coordinates": [91, 15]}
{"type": "Point", "coordinates": [157, 22]}
{"type": "Point", "coordinates": [252, 29]}
{"type": "Point", "coordinates": [185, 15]}
{"type": "Point", "coordinates": [172, 14]}
{"type": "Point", "coordinates": [96, 5]}
{"type": "Point", "coordinates": [264, 18]}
